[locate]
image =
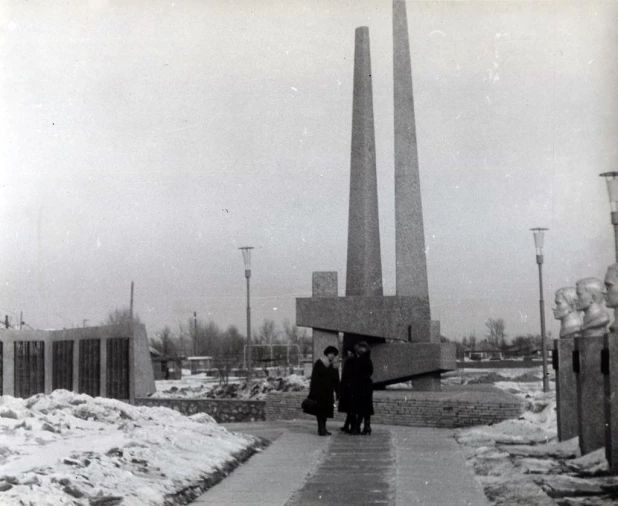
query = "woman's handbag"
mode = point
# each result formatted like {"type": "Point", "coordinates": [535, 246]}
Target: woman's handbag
{"type": "Point", "coordinates": [309, 406]}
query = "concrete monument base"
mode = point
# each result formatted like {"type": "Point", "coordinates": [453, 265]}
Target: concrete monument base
{"type": "Point", "coordinates": [590, 386]}
{"type": "Point", "coordinates": [566, 389]}
{"type": "Point", "coordinates": [610, 383]}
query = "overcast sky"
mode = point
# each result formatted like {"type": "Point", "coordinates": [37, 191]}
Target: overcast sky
{"type": "Point", "coordinates": [146, 141]}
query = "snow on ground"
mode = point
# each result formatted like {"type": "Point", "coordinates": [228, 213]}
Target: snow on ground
{"type": "Point", "coordinates": [236, 388]}
{"type": "Point", "coordinates": [520, 461]}
{"type": "Point", "coordinates": [68, 448]}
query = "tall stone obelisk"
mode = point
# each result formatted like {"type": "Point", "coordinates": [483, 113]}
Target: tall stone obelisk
{"type": "Point", "coordinates": [364, 265]}
{"type": "Point", "coordinates": [410, 256]}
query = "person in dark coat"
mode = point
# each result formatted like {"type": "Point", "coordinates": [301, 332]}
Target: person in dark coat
{"type": "Point", "coordinates": [362, 388]}
{"type": "Point", "coordinates": [324, 387]}
{"type": "Point", "coordinates": [345, 390]}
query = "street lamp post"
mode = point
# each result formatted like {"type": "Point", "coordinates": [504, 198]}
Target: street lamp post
{"type": "Point", "coordinates": [538, 243]}
{"type": "Point", "coordinates": [612, 189]}
{"type": "Point", "coordinates": [246, 256]}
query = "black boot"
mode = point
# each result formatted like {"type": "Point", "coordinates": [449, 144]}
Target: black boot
{"type": "Point", "coordinates": [347, 424]}
{"type": "Point", "coordinates": [356, 421]}
{"type": "Point", "coordinates": [322, 427]}
{"type": "Point", "coordinates": [367, 427]}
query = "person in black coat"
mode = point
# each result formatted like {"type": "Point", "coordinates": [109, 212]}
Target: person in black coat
{"type": "Point", "coordinates": [345, 390]}
{"type": "Point", "coordinates": [362, 388]}
{"type": "Point", "coordinates": [324, 387]}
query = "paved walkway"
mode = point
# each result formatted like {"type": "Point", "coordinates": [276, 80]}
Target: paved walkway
{"type": "Point", "coordinates": [395, 466]}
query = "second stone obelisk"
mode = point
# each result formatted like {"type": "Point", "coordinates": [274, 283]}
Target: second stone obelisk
{"type": "Point", "coordinates": [410, 256]}
{"type": "Point", "coordinates": [364, 265]}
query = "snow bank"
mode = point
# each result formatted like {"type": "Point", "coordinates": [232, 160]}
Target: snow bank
{"type": "Point", "coordinates": [66, 448]}
{"type": "Point", "coordinates": [180, 389]}
{"type": "Point", "coordinates": [521, 461]}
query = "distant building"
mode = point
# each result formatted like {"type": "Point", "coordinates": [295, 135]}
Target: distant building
{"type": "Point", "coordinates": [484, 351]}
{"type": "Point", "coordinates": [199, 365]}
{"type": "Point", "coordinates": [165, 367]}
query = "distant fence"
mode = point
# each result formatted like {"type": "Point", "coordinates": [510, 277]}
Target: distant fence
{"type": "Point", "coordinates": [499, 364]}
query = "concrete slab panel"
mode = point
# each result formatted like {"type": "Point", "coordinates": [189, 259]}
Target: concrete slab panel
{"type": "Point", "coordinates": [394, 362]}
{"type": "Point", "coordinates": [590, 388]}
{"type": "Point", "coordinates": [566, 389]}
{"type": "Point", "coordinates": [324, 284]}
{"type": "Point", "coordinates": [404, 319]}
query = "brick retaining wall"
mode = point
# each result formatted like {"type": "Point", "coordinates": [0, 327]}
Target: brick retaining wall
{"type": "Point", "coordinates": [222, 410]}
{"type": "Point", "coordinates": [446, 409]}
{"type": "Point", "coordinates": [412, 410]}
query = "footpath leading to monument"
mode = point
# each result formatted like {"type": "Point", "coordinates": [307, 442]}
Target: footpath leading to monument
{"type": "Point", "coordinates": [394, 466]}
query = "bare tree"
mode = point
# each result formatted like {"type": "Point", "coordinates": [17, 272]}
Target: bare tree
{"type": "Point", "coordinates": [299, 337]}
{"type": "Point", "coordinates": [233, 341]}
{"type": "Point", "coordinates": [166, 343]}
{"type": "Point", "coordinates": [208, 336]}
{"type": "Point", "coordinates": [472, 342]}
{"type": "Point", "coordinates": [293, 333]}
{"type": "Point", "coordinates": [496, 335]}
{"type": "Point", "coordinates": [268, 333]}
{"type": "Point", "coordinates": [121, 316]}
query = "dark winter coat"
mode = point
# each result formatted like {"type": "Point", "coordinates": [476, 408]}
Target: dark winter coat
{"type": "Point", "coordinates": [362, 386]}
{"type": "Point", "coordinates": [345, 388]}
{"type": "Point", "coordinates": [323, 388]}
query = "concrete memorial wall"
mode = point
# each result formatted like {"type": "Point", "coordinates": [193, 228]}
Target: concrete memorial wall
{"type": "Point", "coordinates": [107, 361]}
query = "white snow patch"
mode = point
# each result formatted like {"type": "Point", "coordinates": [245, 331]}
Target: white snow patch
{"type": "Point", "coordinates": [66, 448]}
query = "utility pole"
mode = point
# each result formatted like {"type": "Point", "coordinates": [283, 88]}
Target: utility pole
{"type": "Point", "coordinates": [195, 333]}
{"type": "Point", "coordinates": [131, 303]}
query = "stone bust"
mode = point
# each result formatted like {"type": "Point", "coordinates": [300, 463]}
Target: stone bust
{"type": "Point", "coordinates": [591, 301]}
{"type": "Point", "coordinates": [611, 290]}
{"type": "Point", "coordinates": [566, 311]}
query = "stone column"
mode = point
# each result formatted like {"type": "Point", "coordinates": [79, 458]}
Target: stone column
{"type": "Point", "coordinates": [103, 371]}
{"type": "Point", "coordinates": [324, 285]}
{"type": "Point", "coordinates": [411, 269]}
{"type": "Point", "coordinates": [364, 263]}
{"type": "Point", "coordinates": [610, 379]}
{"type": "Point", "coordinates": [48, 361]}
{"type": "Point", "coordinates": [566, 389]}
{"type": "Point", "coordinates": [8, 367]}
{"type": "Point", "coordinates": [590, 388]}
{"type": "Point", "coordinates": [76, 352]}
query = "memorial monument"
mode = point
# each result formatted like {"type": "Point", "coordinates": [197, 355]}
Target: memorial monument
{"type": "Point", "coordinates": [566, 311]}
{"type": "Point", "coordinates": [591, 301]}
{"type": "Point", "coordinates": [586, 364]}
{"type": "Point", "coordinates": [566, 388]}
{"type": "Point", "coordinates": [609, 367]}
{"type": "Point", "coordinates": [405, 342]}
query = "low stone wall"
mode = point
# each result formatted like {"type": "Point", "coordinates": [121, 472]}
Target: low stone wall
{"type": "Point", "coordinates": [449, 408]}
{"type": "Point", "coordinates": [222, 410]}
{"type": "Point", "coordinates": [415, 409]}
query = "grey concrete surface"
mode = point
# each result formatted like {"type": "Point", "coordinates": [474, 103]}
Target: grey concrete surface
{"type": "Point", "coordinates": [393, 466]}
{"type": "Point", "coordinates": [431, 470]}
{"type": "Point", "coordinates": [271, 477]}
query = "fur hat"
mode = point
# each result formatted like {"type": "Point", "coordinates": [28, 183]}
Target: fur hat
{"type": "Point", "coordinates": [331, 349]}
